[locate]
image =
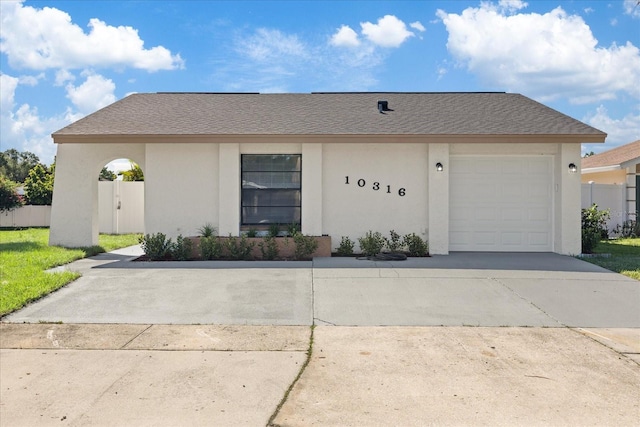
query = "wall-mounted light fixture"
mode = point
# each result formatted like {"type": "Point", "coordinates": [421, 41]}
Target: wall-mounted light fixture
{"type": "Point", "coordinates": [439, 167]}
{"type": "Point", "coordinates": [573, 168]}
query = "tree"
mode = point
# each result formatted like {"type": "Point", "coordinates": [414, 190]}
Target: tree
{"type": "Point", "coordinates": [9, 197]}
{"type": "Point", "coordinates": [133, 174]}
{"type": "Point", "coordinates": [589, 154]}
{"type": "Point", "coordinates": [15, 165]}
{"type": "Point", "coordinates": [107, 175]}
{"type": "Point", "coordinates": [38, 187]}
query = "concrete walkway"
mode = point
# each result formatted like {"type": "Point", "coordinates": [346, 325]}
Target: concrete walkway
{"type": "Point", "coordinates": [220, 344]}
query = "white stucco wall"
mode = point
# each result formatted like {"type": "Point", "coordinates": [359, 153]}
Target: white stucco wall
{"type": "Point", "coordinates": [181, 188]}
{"type": "Point", "coordinates": [353, 209]}
{"type": "Point", "coordinates": [74, 210]}
{"type": "Point", "coordinates": [347, 188]}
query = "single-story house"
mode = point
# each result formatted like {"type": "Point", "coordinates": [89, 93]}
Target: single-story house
{"type": "Point", "coordinates": [467, 171]}
{"type": "Point", "coordinates": [618, 166]}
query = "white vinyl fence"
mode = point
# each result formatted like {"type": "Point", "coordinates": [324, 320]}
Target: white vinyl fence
{"type": "Point", "coordinates": [607, 196]}
{"type": "Point", "coordinates": [120, 210]}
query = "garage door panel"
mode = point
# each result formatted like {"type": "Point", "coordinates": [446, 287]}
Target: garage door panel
{"type": "Point", "coordinates": [501, 204]}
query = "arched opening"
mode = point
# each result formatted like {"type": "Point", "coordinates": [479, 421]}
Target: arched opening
{"type": "Point", "coordinates": [121, 197]}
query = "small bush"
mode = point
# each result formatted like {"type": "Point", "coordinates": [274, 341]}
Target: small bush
{"type": "Point", "coordinates": [239, 248]}
{"type": "Point", "coordinates": [181, 249]}
{"type": "Point", "coordinates": [210, 247]}
{"type": "Point", "coordinates": [207, 230]}
{"type": "Point", "coordinates": [594, 227]}
{"type": "Point", "coordinates": [346, 247]}
{"type": "Point", "coordinates": [415, 245]}
{"type": "Point", "coordinates": [156, 246]}
{"type": "Point", "coordinates": [293, 229]}
{"type": "Point", "coordinates": [590, 239]}
{"type": "Point", "coordinates": [394, 244]}
{"type": "Point", "coordinates": [269, 248]}
{"type": "Point", "coordinates": [252, 232]}
{"type": "Point", "coordinates": [274, 230]}
{"type": "Point", "coordinates": [629, 228]}
{"type": "Point", "coordinates": [372, 243]}
{"type": "Point", "coordinates": [596, 220]}
{"type": "Point", "coordinates": [305, 246]}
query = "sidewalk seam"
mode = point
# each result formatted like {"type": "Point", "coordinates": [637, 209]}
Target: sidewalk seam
{"type": "Point", "coordinates": [134, 338]}
{"type": "Point", "coordinates": [529, 302]}
{"type": "Point", "coordinates": [270, 422]}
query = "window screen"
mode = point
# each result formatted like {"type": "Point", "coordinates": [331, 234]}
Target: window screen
{"type": "Point", "coordinates": [271, 188]}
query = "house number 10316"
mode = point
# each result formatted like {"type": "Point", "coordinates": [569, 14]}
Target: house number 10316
{"type": "Point", "coordinates": [375, 186]}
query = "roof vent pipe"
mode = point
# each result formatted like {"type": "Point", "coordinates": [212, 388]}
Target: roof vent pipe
{"type": "Point", "coordinates": [383, 106]}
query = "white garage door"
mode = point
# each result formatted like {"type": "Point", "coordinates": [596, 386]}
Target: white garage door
{"type": "Point", "coordinates": [501, 204]}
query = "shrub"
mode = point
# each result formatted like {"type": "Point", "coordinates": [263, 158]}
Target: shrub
{"type": "Point", "coordinates": [394, 244]}
{"type": "Point", "coordinates": [346, 247]}
{"type": "Point", "coordinates": [629, 228]}
{"type": "Point", "coordinates": [156, 246]}
{"type": "Point", "coordinates": [372, 243]}
{"type": "Point", "coordinates": [252, 232]}
{"type": "Point", "coordinates": [305, 246]}
{"type": "Point", "coordinates": [210, 247]}
{"type": "Point", "coordinates": [596, 220]}
{"type": "Point", "coordinates": [274, 230]}
{"type": "Point", "coordinates": [268, 248]}
{"type": "Point", "coordinates": [594, 227]}
{"type": "Point", "coordinates": [293, 229]}
{"type": "Point", "coordinates": [181, 249]}
{"type": "Point", "coordinates": [208, 230]}
{"type": "Point", "coordinates": [239, 248]}
{"type": "Point", "coordinates": [415, 245]}
{"type": "Point", "coordinates": [9, 197]}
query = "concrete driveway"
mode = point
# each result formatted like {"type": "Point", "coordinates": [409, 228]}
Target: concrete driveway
{"type": "Point", "coordinates": [232, 344]}
{"type": "Point", "coordinates": [461, 289]}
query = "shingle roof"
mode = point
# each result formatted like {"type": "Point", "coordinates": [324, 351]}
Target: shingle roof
{"type": "Point", "coordinates": [328, 114]}
{"type": "Point", "coordinates": [614, 157]}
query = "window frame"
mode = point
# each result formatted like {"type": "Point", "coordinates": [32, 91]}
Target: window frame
{"type": "Point", "coordinates": [244, 223]}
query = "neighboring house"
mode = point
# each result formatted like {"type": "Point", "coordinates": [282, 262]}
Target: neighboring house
{"type": "Point", "coordinates": [603, 172]}
{"type": "Point", "coordinates": [467, 171]}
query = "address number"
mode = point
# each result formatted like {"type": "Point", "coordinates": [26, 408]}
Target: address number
{"type": "Point", "coordinates": [375, 186]}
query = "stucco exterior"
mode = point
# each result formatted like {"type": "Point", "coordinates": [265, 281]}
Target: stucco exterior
{"type": "Point", "coordinates": [350, 184]}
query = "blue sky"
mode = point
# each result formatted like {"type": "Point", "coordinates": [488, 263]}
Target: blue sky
{"type": "Point", "coordinates": [62, 60]}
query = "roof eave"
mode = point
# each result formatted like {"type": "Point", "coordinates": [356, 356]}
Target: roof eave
{"type": "Point", "coordinates": [61, 138]}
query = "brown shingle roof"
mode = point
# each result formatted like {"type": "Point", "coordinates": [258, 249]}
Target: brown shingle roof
{"type": "Point", "coordinates": [614, 157]}
{"type": "Point", "coordinates": [328, 114]}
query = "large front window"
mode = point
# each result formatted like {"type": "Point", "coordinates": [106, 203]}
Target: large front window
{"type": "Point", "coordinates": [271, 189]}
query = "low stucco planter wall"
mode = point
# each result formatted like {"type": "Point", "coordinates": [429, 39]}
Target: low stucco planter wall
{"type": "Point", "coordinates": [286, 247]}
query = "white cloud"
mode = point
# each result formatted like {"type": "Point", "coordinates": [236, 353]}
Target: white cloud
{"type": "Point", "coordinates": [512, 5]}
{"type": "Point", "coordinates": [47, 38]}
{"type": "Point", "coordinates": [26, 130]}
{"type": "Point", "coordinates": [631, 7]}
{"type": "Point", "coordinates": [547, 56]}
{"type": "Point", "coordinates": [8, 85]}
{"type": "Point", "coordinates": [388, 32]}
{"type": "Point", "coordinates": [418, 26]}
{"type": "Point", "coordinates": [619, 131]}
{"type": "Point", "coordinates": [345, 36]}
{"type": "Point", "coordinates": [96, 92]}
{"type": "Point", "coordinates": [267, 43]}
{"type": "Point", "coordinates": [63, 76]}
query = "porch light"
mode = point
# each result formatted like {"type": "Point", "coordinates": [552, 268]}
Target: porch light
{"type": "Point", "coordinates": [439, 167]}
{"type": "Point", "coordinates": [573, 168]}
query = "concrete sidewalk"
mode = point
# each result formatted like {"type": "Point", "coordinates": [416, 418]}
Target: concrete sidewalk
{"type": "Point", "coordinates": [467, 339]}
{"type": "Point", "coordinates": [167, 375]}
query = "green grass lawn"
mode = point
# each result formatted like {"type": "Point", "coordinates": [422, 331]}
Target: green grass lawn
{"type": "Point", "coordinates": [625, 256]}
{"type": "Point", "coordinates": [25, 255]}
